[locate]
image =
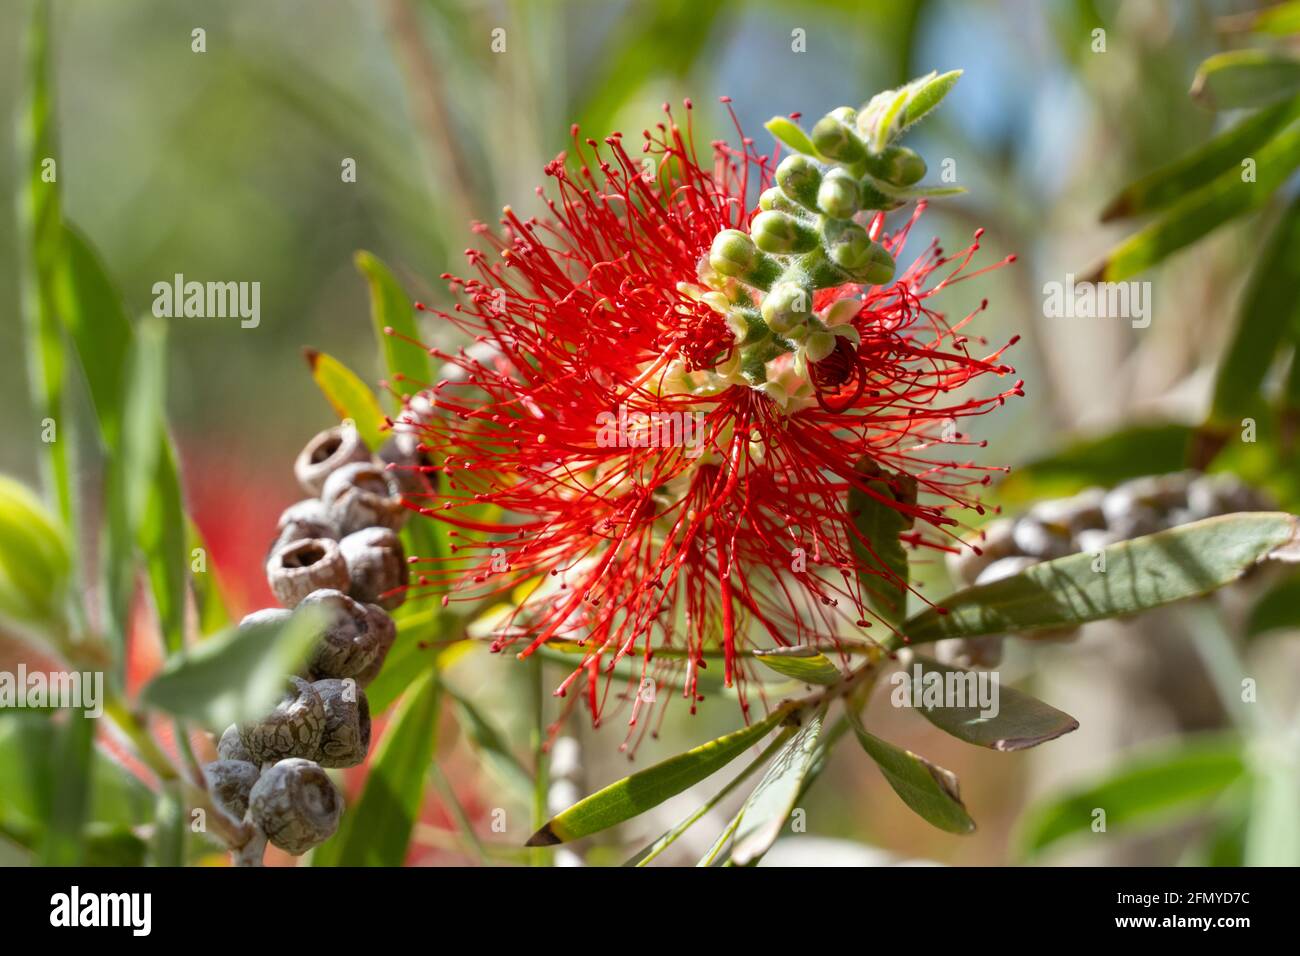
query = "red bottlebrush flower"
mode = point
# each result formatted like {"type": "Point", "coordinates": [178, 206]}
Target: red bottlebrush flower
{"type": "Point", "coordinates": [631, 433]}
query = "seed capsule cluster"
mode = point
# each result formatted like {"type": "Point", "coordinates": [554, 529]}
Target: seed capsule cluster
{"type": "Point", "coordinates": [1087, 522]}
{"type": "Point", "coordinates": [337, 552]}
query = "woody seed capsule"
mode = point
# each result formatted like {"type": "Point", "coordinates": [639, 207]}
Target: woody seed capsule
{"type": "Point", "coordinates": [229, 782]}
{"type": "Point", "coordinates": [355, 641]}
{"type": "Point", "coordinates": [292, 729]}
{"type": "Point", "coordinates": [361, 495]}
{"type": "Point", "coordinates": [346, 739]}
{"type": "Point", "coordinates": [296, 805]}
{"type": "Point", "coordinates": [326, 453]}
{"type": "Point", "coordinates": [296, 569]}
{"type": "Point", "coordinates": [376, 565]}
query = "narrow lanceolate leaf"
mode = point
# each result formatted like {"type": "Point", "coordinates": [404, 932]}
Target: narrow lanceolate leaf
{"type": "Point", "coordinates": [669, 837]}
{"type": "Point", "coordinates": [350, 397]}
{"type": "Point", "coordinates": [769, 807]}
{"type": "Point", "coordinates": [236, 675]}
{"type": "Point", "coordinates": [927, 93]}
{"type": "Point", "coordinates": [1225, 151]}
{"type": "Point", "coordinates": [1183, 562]}
{"type": "Point", "coordinates": [1156, 786]}
{"type": "Point", "coordinates": [650, 787]}
{"type": "Point", "coordinates": [802, 663]}
{"type": "Point", "coordinates": [377, 831]}
{"type": "Point", "coordinates": [1243, 78]}
{"type": "Point", "coordinates": [490, 746]}
{"type": "Point", "coordinates": [972, 708]}
{"type": "Point", "coordinates": [96, 321]}
{"type": "Point", "coordinates": [40, 252]}
{"type": "Point", "coordinates": [162, 538]}
{"type": "Point", "coordinates": [35, 564]}
{"type": "Point", "coordinates": [929, 790]}
{"type": "Point", "coordinates": [882, 562]}
{"type": "Point", "coordinates": [788, 132]}
{"type": "Point", "coordinates": [1270, 312]}
{"type": "Point", "coordinates": [214, 613]}
{"type": "Point", "coordinates": [1224, 198]}
{"type": "Point", "coordinates": [391, 309]}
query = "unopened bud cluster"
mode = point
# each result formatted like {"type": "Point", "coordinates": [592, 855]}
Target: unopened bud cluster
{"type": "Point", "coordinates": [1086, 523]}
{"type": "Point", "coordinates": [810, 233]}
{"type": "Point", "coordinates": [337, 552]}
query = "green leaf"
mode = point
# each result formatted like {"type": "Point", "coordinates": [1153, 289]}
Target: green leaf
{"type": "Point", "coordinates": [95, 319]}
{"type": "Point", "coordinates": [35, 566]}
{"type": "Point", "coordinates": [1183, 562]}
{"type": "Point", "coordinates": [931, 791]}
{"type": "Point", "coordinates": [1222, 199]}
{"type": "Point", "coordinates": [1243, 78]}
{"type": "Point", "coordinates": [881, 560]}
{"type": "Point", "coordinates": [162, 539]}
{"type": "Point", "coordinates": [768, 808]}
{"type": "Point", "coordinates": [391, 308]}
{"type": "Point", "coordinates": [41, 251]}
{"type": "Point", "coordinates": [378, 829]}
{"type": "Point", "coordinates": [350, 397]}
{"type": "Point", "coordinates": [1021, 721]}
{"type": "Point", "coordinates": [669, 837]}
{"type": "Point", "coordinates": [927, 93]}
{"type": "Point", "coordinates": [72, 767]}
{"type": "Point", "coordinates": [802, 663]}
{"type": "Point", "coordinates": [648, 788]}
{"type": "Point", "coordinates": [1225, 151]}
{"type": "Point", "coordinates": [1152, 787]}
{"type": "Point", "coordinates": [1107, 460]}
{"type": "Point", "coordinates": [1280, 19]}
{"type": "Point", "coordinates": [1270, 311]}
{"type": "Point", "coordinates": [1278, 609]}
{"type": "Point", "coordinates": [236, 675]}
{"type": "Point", "coordinates": [169, 827]}
{"type": "Point", "coordinates": [787, 131]}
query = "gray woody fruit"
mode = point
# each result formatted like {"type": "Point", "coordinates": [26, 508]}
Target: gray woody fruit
{"type": "Point", "coordinates": [293, 729]}
{"type": "Point", "coordinates": [994, 542]}
{"type": "Point", "coordinates": [308, 518]}
{"type": "Point", "coordinates": [296, 805]}
{"type": "Point", "coordinates": [347, 723]}
{"type": "Point", "coordinates": [327, 452]}
{"type": "Point", "coordinates": [362, 495]}
{"type": "Point", "coordinates": [230, 747]}
{"type": "Point", "coordinates": [355, 641]}
{"type": "Point", "coordinates": [376, 564]}
{"type": "Point", "coordinates": [297, 568]}
{"type": "Point", "coordinates": [229, 782]}
{"type": "Point", "coordinates": [404, 461]}
{"type": "Point", "coordinates": [266, 615]}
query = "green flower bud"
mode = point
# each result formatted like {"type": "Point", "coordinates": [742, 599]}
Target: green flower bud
{"type": "Point", "coordinates": [898, 165]}
{"type": "Point", "coordinates": [774, 198]}
{"type": "Point", "coordinates": [786, 307]}
{"type": "Point", "coordinates": [780, 232]}
{"type": "Point", "coordinates": [835, 138]}
{"type": "Point", "coordinates": [819, 345]}
{"type": "Point", "coordinates": [733, 253]}
{"type": "Point", "coordinates": [853, 251]}
{"type": "Point", "coordinates": [798, 176]}
{"type": "Point", "coordinates": [838, 195]}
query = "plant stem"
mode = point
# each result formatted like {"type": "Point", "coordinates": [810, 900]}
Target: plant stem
{"type": "Point", "coordinates": [538, 856]}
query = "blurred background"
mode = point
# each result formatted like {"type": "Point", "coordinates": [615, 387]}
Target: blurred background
{"type": "Point", "coordinates": [226, 165]}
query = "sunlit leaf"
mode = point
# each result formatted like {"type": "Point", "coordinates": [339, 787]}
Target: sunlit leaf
{"type": "Point", "coordinates": [35, 565]}
{"type": "Point", "coordinates": [801, 663]}
{"type": "Point", "coordinates": [769, 807]}
{"type": "Point", "coordinates": [391, 308]}
{"type": "Point", "coordinates": [931, 791]}
{"type": "Point", "coordinates": [1151, 787]}
{"type": "Point", "coordinates": [648, 788]}
{"type": "Point", "coordinates": [788, 132]}
{"type": "Point", "coordinates": [350, 397]}
{"type": "Point", "coordinates": [1147, 572]}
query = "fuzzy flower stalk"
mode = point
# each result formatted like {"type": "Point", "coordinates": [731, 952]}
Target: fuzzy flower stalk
{"type": "Point", "coordinates": [657, 449]}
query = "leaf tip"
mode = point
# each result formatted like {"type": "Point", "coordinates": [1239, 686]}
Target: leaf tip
{"type": "Point", "coordinates": [546, 836]}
